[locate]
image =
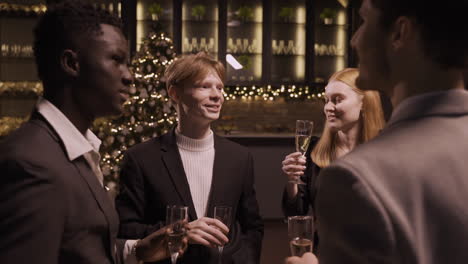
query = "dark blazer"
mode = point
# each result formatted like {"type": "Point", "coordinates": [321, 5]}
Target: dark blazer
{"type": "Point", "coordinates": [401, 197]}
{"type": "Point", "coordinates": [153, 176]}
{"type": "Point", "coordinates": [52, 210]}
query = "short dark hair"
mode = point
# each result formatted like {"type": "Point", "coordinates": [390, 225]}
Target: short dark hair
{"type": "Point", "coordinates": [443, 26]}
{"type": "Point", "coordinates": [60, 27]}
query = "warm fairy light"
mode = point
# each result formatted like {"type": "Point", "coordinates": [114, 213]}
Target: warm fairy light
{"type": "Point", "coordinates": [149, 111]}
{"type": "Point", "coordinates": [287, 92]}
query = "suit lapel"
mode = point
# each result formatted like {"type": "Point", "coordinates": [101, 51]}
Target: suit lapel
{"type": "Point", "coordinates": [219, 183]}
{"type": "Point", "coordinates": [173, 162]}
{"type": "Point", "coordinates": [101, 197]}
{"type": "Point", "coordinates": [83, 169]}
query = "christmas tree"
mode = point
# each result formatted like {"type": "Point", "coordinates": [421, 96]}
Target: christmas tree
{"type": "Point", "coordinates": [148, 112]}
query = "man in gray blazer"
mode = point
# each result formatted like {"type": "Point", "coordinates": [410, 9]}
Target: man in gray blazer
{"type": "Point", "coordinates": [54, 208]}
{"type": "Point", "coordinates": [401, 198]}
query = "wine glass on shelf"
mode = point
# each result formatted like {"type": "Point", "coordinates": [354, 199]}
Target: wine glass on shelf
{"type": "Point", "coordinates": [223, 214]}
{"type": "Point", "coordinates": [300, 232]}
{"type": "Point", "coordinates": [176, 216]}
{"type": "Point", "coordinates": [304, 130]}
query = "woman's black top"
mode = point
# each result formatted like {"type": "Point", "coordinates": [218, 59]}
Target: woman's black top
{"type": "Point", "coordinates": [305, 197]}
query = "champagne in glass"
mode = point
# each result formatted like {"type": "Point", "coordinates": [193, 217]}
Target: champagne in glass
{"type": "Point", "coordinates": [174, 242]}
{"type": "Point", "coordinates": [302, 143]}
{"type": "Point", "coordinates": [176, 217]}
{"type": "Point", "coordinates": [223, 214]}
{"type": "Point", "coordinates": [304, 130]}
{"type": "Point", "coordinates": [300, 232]}
{"type": "Point", "coordinates": [299, 246]}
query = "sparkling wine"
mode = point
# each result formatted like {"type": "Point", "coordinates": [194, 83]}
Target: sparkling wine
{"type": "Point", "coordinates": [174, 241]}
{"type": "Point", "coordinates": [302, 143]}
{"type": "Point", "coordinates": [299, 246]}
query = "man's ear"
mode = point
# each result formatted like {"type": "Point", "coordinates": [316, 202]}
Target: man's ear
{"type": "Point", "coordinates": [403, 31]}
{"type": "Point", "coordinates": [172, 91]}
{"type": "Point", "coordinates": [69, 63]}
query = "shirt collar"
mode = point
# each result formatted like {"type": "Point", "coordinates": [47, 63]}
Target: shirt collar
{"type": "Point", "coordinates": [448, 102]}
{"type": "Point", "coordinates": [75, 143]}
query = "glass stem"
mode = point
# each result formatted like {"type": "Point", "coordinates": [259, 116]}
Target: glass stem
{"type": "Point", "coordinates": [220, 258]}
{"type": "Point", "coordinates": [174, 257]}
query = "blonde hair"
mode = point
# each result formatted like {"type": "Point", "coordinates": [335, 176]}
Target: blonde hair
{"type": "Point", "coordinates": [189, 68]}
{"type": "Point", "coordinates": [371, 119]}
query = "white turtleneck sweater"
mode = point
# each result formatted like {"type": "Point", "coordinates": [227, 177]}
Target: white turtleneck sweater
{"type": "Point", "coordinates": [198, 159]}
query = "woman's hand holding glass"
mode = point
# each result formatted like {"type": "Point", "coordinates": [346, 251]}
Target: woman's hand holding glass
{"type": "Point", "coordinates": [294, 166]}
{"type": "Point", "coordinates": [303, 137]}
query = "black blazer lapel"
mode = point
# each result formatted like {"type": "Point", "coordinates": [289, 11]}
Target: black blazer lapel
{"type": "Point", "coordinates": [220, 182]}
{"type": "Point", "coordinates": [102, 199]}
{"type": "Point", "coordinates": [173, 162]}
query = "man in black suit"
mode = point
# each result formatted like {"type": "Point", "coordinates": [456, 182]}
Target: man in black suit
{"type": "Point", "coordinates": [192, 166]}
{"type": "Point", "coordinates": [54, 206]}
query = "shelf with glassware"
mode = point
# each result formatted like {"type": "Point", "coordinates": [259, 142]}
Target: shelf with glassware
{"type": "Point", "coordinates": [198, 44]}
{"type": "Point", "coordinates": [330, 50]}
{"type": "Point", "coordinates": [244, 51]}
{"type": "Point", "coordinates": [243, 45]}
{"type": "Point", "coordinates": [244, 12]}
{"type": "Point", "coordinates": [16, 48]}
{"type": "Point", "coordinates": [200, 36]}
{"type": "Point", "coordinates": [17, 66]}
{"type": "Point", "coordinates": [288, 68]}
{"type": "Point", "coordinates": [154, 10]}
{"type": "Point", "coordinates": [287, 62]}
{"type": "Point", "coordinates": [153, 16]}
{"type": "Point", "coordinates": [288, 51]}
{"type": "Point", "coordinates": [287, 47]}
{"type": "Point", "coordinates": [194, 10]}
{"type": "Point", "coordinates": [245, 70]}
{"type": "Point", "coordinates": [247, 40]}
{"type": "Point", "coordinates": [288, 40]}
{"type": "Point", "coordinates": [200, 27]}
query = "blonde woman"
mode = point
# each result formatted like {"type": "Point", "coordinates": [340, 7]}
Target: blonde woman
{"type": "Point", "coordinates": [353, 117]}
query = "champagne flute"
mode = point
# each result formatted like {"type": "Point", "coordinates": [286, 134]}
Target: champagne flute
{"type": "Point", "coordinates": [303, 135]}
{"type": "Point", "coordinates": [223, 214]}
{"type": "Point", "coordinates": [301, 234]}
{"type": "Point", "coordinates": [176, 217]}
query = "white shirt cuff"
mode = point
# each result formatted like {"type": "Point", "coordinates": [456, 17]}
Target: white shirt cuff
{"type": "Point", "coordinates": [129, 258]}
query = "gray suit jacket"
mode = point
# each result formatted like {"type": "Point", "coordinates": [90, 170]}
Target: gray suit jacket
{"type": "Point", "coordinates": [52, 210]}
{"type": "Point", "coordinates": [402, 197]}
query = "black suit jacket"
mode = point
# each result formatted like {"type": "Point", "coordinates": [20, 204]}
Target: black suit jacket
{"type": "Point", "coordinates": [153, 176]}
{"type": "Point", "coordinates": [53, 210]}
